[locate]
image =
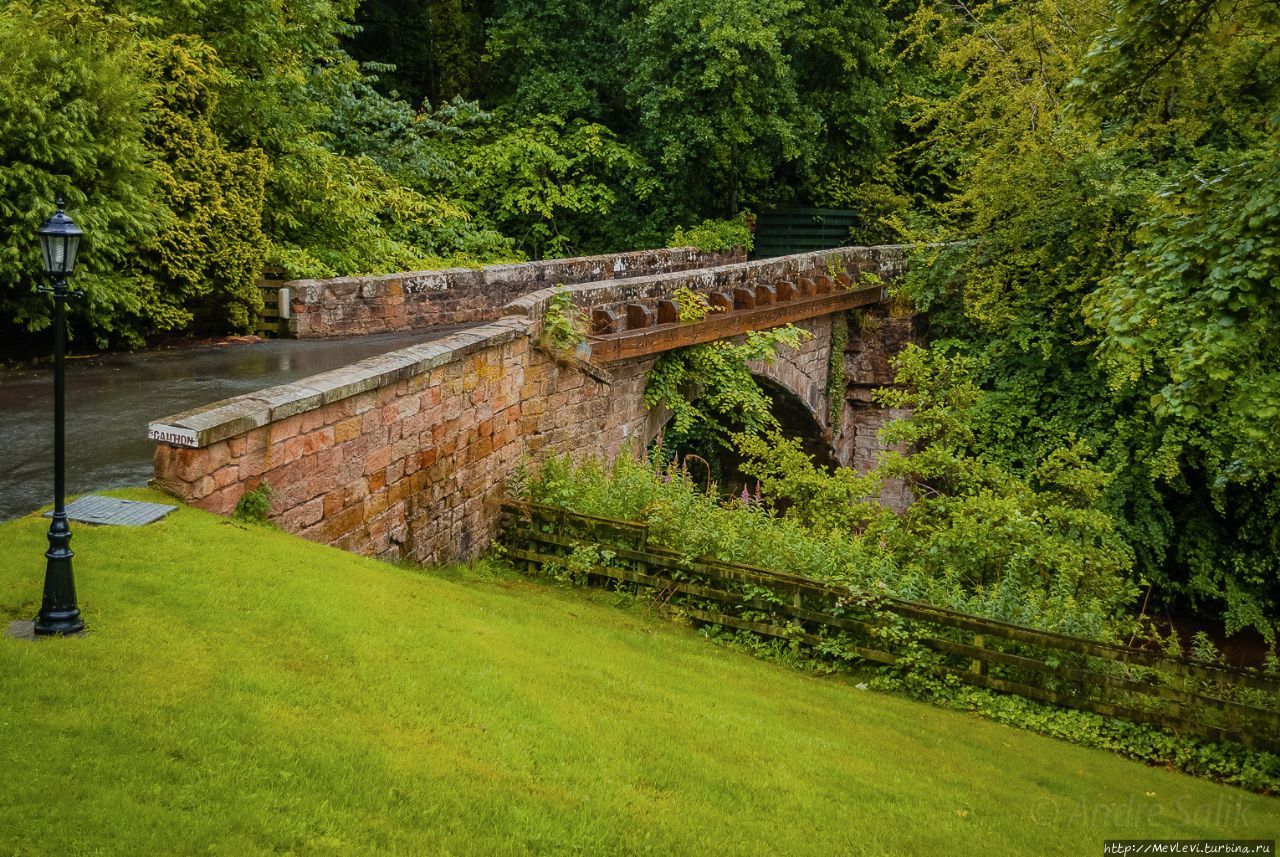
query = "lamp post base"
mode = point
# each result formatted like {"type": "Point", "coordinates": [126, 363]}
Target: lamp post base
{"type": "Point", "coordinates": [59, 623]}
{"type": "Point", "coordinates": [59, 613]}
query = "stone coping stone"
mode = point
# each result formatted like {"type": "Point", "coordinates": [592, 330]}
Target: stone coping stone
{"type": "Point", "coordinates": [608, 264]}
{"type": "Point", "coordinates": [211, 423]}
{"type": "Point", "coordinates": [533, 305]}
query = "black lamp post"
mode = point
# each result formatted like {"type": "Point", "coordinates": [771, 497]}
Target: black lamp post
{"type": "Point", "coordinates": [59, 241]}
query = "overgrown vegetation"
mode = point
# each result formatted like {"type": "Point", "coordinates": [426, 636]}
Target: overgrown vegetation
{"type": "Point", "coordinates": [818, 628]}
{"type": "Point", "coordinates": [692, 306]}
{"type": "Point", "coordinates": [564, 325]}
{"type": "Point", "coordinates": [1101, 176]}
{"type": "Point", "coordinates": [1038, 553]}
{"type": "Point", "coordinates": [709, 390]}
{"type": "Point", "coordinates": [715, 235]}
{"type": "Point", "coordinates": [978, 538]}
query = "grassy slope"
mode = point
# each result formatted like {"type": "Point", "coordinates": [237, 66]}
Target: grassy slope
{"type": "Point", "coordinates": [243, 691]}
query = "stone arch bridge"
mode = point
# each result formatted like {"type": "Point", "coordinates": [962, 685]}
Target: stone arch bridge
{"type": "Point", "coordinates": [407, 454]}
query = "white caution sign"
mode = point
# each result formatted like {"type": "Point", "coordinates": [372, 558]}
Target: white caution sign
{"type": "Point", "coordinates": [175, 435]}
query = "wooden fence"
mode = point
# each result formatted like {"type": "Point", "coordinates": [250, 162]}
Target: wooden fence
{"type": "Point", "coordinates": [1183, 695]}
{"type": "Point", "coordinates": [271, 323]}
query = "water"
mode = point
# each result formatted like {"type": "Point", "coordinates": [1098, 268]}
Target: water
{"type": "Point", "coordinates": [111, 399]}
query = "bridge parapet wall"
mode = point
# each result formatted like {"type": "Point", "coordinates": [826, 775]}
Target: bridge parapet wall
{"type": "Point", "coordinates": [405, 454]}
{"type": "Point", "coordinates": [347, 306]}
{"type": "Point", "coordinates": [887, 262]}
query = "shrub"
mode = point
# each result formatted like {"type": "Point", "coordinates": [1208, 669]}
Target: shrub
{"type": "Point", "coordinates": [254, 507]}
{"type": "Point", "coordinates": [564, 326]}
{"type": "Point", "coordinates": [715, 235]}
{"type": "Point", "coordinates": [691, 305]}
{"type": "Point", "coordinates": [208, 255]}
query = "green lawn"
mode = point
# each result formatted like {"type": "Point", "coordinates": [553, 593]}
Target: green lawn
{"type": "Point", "coordinates": [243, 692]}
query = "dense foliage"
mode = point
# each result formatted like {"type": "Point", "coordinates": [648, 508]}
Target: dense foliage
{"type": "Point", "coordinates": [71, 112]}
{"type": "Point", "coordinates": [709, 389]}
{"type": "Point", "coordinates": [196, 142]}
{"type": "Point", "coordinates": [200, 141]}
{"type": "Point", "coordinates": [208, 252]}
{"type": "Point", "coordinates": [1113, 166]}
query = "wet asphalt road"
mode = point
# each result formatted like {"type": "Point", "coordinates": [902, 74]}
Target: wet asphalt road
{"type": "Point", "coordinates": [111, 399]}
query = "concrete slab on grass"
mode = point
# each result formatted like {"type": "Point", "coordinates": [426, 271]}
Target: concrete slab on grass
{"type": "Point", "coordinates": [20, 629]}
{"type": "Point", "coordinates": [110, 511]}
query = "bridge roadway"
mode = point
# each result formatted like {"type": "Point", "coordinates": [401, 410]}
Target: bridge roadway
{"type": "Point", "coordinates": [407, 454]}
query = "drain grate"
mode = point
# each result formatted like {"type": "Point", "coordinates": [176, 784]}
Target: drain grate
{"type": "Point", "coordinates": [96, 509]}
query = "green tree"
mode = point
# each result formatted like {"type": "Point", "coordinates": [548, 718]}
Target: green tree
{"type": "Point", "coordinates": [73, 97]}
{"type": "Point", "coordinates": [325, 212]}
{"type": "Point", "coordinates": [434, 48]}
{"type": "Point", "coordinates": [842, 74]}
{"type": "Point", "coordinates": [552, 185]}
{"type": "Point", "coordinates": [715, 93]}
{"type": "Point", "coordinates": [560, 58]}
{"type": "Point", "coordinates": [208, 254]}
{"type": "Point", "coordinates": [1189, 325]}
{"type": "Point", "coordinates": [1103, 158]}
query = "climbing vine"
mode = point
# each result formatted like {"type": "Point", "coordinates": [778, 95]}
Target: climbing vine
{"type": "Point", "coordinates": [835, 370]}
{"type": "Point", "coordinates": [710, 391]}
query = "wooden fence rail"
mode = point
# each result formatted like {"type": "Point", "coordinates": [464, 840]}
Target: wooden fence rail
{"type": "Point", "coordinates": [1184, 695]}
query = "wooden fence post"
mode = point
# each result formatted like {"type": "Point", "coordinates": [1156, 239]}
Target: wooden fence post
{"type": "Point", "coordinates": [977, 665]}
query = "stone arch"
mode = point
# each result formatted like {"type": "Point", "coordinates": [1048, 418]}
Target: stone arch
{"type": "Point", "coordinates": [799, 419]}
{"type": "Point", "coordinates": [795, 416]}
{"type": "Point", "coordinates": [797, 383]}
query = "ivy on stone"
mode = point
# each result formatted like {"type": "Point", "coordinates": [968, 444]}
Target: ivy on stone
{"type": "Point", "coordinates": [709, 389]}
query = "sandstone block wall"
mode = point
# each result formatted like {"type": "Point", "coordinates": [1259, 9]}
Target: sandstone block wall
{"type": "Point", "coordinates": [803, 372]}
{"type": "Point", "coordinates": [347, 306]}
{"type": "Point", "coordinates": [416, 464]}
